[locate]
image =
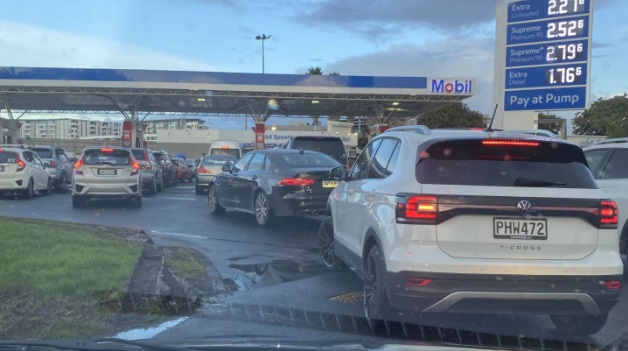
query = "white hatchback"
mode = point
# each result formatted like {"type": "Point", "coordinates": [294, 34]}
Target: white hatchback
{"type": "Point", "coordinates": [23, 172]}
{"type": "Point", "coordinates": [476, 222]}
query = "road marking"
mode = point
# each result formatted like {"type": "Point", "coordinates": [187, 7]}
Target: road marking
{"type": "Point", "coordinates": [177, 234]}
{"type": "Point", "coordinates": [180, 198]}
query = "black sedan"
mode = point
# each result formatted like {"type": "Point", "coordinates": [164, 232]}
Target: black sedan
{"type": "Point", "coordinates": [275, 183]}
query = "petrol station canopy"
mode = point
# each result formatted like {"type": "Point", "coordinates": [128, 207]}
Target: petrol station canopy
{"type": "Point", "coordinates": [134, 93]}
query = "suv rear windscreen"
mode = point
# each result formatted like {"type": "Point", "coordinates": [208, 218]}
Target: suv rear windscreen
{"type": "Point", "coordinates": [504, 163]}
{"type": "Point", "coordinates": [43, 152]}
{"type": "Point", "coordinates": [138, 154]}
{"type": "Point", "coordinates": [8, 157]}
{"type": "Point", "coordinates": [113, 157]}
{"type": "Point", "coordinates": [333, 147]}
{"type": "Point", "coordinates": [159, 156]}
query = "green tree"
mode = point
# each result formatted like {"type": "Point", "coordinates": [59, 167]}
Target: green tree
{"type": "Point", "coordinates": [604, 117]}
{"type": "Point", "coordinates": [553, 127]}
{"type": "Point", "coordinates": [315, 71]}
{"type": "Point", "coordinates": [456, 115]}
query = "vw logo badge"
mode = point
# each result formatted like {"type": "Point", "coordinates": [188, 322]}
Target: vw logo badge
{"type": "Point", "coordinates": [524, 206]}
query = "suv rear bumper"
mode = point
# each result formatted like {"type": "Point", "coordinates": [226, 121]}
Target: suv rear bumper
{"type": "Point", "coordinates": [503, 294]}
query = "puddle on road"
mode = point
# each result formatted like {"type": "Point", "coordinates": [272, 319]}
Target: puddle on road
{"type": "Point", "coordinates": [253, 276]}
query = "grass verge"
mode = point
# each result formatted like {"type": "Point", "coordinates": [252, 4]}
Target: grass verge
{"type": "Point", "coordinates": [53, 275]}
{"type": "Point", "coordinates": [185, 264]}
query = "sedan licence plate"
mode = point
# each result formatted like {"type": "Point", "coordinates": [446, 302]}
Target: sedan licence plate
{"type": "Point", "coordinates": [523, 229]}
{"type": "Point", "coordinates": [107, 172]}
{"type": "Point", "coordinates": [330, 183]}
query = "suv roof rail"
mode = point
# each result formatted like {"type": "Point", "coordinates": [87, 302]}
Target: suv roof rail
{"type": "Point", "coordinates": [419, 129]}
{"type": "Point", "coordinates": [612, 141]}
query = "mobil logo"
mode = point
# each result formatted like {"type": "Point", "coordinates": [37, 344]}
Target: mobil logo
{"type": "Point", "coordinates": [452, 86]}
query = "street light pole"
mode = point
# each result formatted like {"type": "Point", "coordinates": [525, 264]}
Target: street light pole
{"type": "Point", "coordinates": [263, 38]}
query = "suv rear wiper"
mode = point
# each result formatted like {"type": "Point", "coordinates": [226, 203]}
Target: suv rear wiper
{"type": "Point", "coordinates": [537, 182]}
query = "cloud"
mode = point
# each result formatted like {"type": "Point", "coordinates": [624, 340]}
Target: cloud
{"type": "Point", "coordinates": [32, 46]}
{"type": "Point", "coordinates": [464, 58]}
{"type": "Point", "coordinates": [384, 17]}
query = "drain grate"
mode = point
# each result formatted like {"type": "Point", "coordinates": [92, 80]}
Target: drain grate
{"type": "Point", "coordinates": [352, 297]}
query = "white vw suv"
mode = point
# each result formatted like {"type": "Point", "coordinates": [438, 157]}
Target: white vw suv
{"type": "Point", "coordinates": [476, 222]}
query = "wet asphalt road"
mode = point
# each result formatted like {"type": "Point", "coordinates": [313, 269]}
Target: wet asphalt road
{"type": "Point", "coordinates": [279, 284]}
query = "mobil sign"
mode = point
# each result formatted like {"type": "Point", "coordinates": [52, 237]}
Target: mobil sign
{"type": "Point", "coordinates": [451, 86]}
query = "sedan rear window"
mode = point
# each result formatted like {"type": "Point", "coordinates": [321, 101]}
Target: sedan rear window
{"type": "Point", "coordinates": [8, 157]}
{"type": "Point", "coordinates": [308, 160]}
{"type": "Point", "coordinates": [213, 160]}
{"type": "Point", "coordinates": [114, 157]}
{"type": "Point", "coordinates": [43, 152]}
{"type": "Point", "coordinates": [333, 147]}
{"type": "Point", "coordinates": [504, 163]}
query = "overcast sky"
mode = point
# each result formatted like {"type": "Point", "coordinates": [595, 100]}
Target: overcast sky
{"type": "Point", "coordinates": [357, 37]}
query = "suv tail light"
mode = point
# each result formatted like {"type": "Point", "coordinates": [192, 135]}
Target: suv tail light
{"type": "Point", "coordinates": [295, 182]}
{"type": "Point", "coordinates": [417, 209]}
{"type": "Point", "coordinates": [608, 214]}
{"type": "Point", "coordinates": [77, 166]}
{"type": "Point", "coordinates": [52, 164]}
{"type": "Point", "coordinates": [20, 164]}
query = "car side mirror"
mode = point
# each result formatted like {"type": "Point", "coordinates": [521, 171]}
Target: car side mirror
{"type": "Point", "coordinates": [226, 167]}
{"type": "Point", "coordinates": [339, 173]}
{"type": "Point", "coordinates": [46, 164]}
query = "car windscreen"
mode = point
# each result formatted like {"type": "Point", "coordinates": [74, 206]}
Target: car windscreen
{"type": "Point", "coordinates": [329, 146]}
{"type": "Point", "coordinates": [233, 152]}
{"type": "Point", "coordinates": [8, 157]}
{"type": "Point", "coordinates": [138, 154]}
{"type": "Point", "coordinates": [504, 163]}
{"type": "Point", "coordinates": [114, 157]}
{"type": "Point", "coordinates": [213, 160]}
{"type": "Point", "coordinates": [43, 152]}
{"type": "Point", "coordinates": [297, 160]}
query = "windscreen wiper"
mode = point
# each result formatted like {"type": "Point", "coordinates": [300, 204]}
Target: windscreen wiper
{"type": "Point", "coordinates": [107, 344]}
{"type": "Point", "coordinates": [537, 182]}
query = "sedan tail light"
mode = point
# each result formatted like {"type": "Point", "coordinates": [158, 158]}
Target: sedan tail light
{"type": "Point", "coordinates": [52, 164]}
{"type": "Point", "coordinates": [203, 170]}
{"type": "Point", "coordinates": [296, 182]}
{"type": "Point", "coordinates": [417, 209]}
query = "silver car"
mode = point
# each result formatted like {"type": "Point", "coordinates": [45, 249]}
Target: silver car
{"type": "Point", "coordinates": [151, 173]}
{"type": "Point", "coordinates": [210, 166]}
{"type": "Point", "coordinates": [58, 164]}
{"type": "Point", "coordinates": [106, 173]}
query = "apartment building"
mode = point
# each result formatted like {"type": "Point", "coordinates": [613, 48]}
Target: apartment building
{"type": "Point", "coordinates": [68, 128]}
{"type": "Point", "coordinates": [153, 125]}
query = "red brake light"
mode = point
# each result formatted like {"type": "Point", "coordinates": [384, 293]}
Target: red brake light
{"type": "Point", "coordinates": [612, 284]}
{"type": "Point", "coordinates": [417, 209]}
{"type": "Point", "coordinates": [609, 216]}
{"type": "Point", "coordinates": [52, 164]}
{"type": "Point", "coordinates": [77, 166]}
{"type": "Point", "coordinates": [1, 149]}
{"type": "Point", "coordinates": [417, 282]}
{"type": "Point", "coordinates": [522, 143]}
{"type": "Point", "coordinates": [203, 170]}
{"type": "Point", "coordinates": [136, 167]}
{"type": "Point", "coordinates": [224, 147]}
{"type": "Point", "coordinates": [106, 149]}
{"type": "Point", "coordinates": [20, 164]}
{"type": "Point", "coordinates": [296, 182]}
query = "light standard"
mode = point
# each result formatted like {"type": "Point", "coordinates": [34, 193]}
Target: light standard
{"type": "Point", "coordinates": [263, 38]}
